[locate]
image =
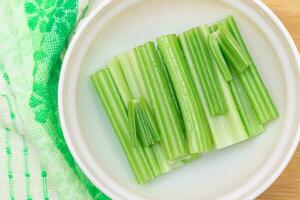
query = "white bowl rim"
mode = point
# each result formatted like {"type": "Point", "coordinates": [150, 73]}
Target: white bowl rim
{"type": "Point", "coordinates": [85, 22]}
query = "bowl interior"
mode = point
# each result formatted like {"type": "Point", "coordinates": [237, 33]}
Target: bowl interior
{"type": "Point", "coordinates": [235, 172]}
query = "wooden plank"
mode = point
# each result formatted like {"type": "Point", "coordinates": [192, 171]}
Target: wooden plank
{"type": "Point", "coordinates": [287, 186]}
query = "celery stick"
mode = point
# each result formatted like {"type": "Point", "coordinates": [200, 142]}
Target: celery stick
{"type": "Point", "coordinates": [251, 80]}
{"type": "Point", "coordinates": [215, 50]}
{"type": "Point", "coordinates": [117, 74]}
{"type": "Point", "coordinates": [130, 68]}
{"type": "Point", "coordinates": [197, 130]}
{"type": "Point", "coordinates": [141, 160]}
{"type": "Point", "coordinates": [172, 91]}
{"type": "Point", "coordinates": [232, 50]}
{"type": "Point", "coordinates": [195, 47]}
{"type": "Point", "coordinates": [132, 123]}
{"type": "Point", "coordinates": [226, 129]}
{"type": "Point", "coordinates": [132, 76]}
{"type": "Point", "coordinates": [143, 118]}
{"type": "Point", "coordinates": [247, 113]}
{"type": "Point", "coordinates": [158, 88]}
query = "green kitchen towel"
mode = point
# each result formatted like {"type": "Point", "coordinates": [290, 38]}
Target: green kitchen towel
{"type": "Point", "coordinates": [35, 162]}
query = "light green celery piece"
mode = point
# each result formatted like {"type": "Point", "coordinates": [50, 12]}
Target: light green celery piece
{"type": "Point", "coordinates": [232, 50]}
{"type": "Point", "coordinates": [251, 80]}
{"type": "Point", "coordinates": [148, 132]}
{"type": "Point", "coordinates": [171, 88]}
{"type": "Point", "coordinates": [141, 163]}
{"type": "Point", "coordinates": [216, 52]}
{"type": "Point", "coordinates": [195, 47]}
{"type": "Point", "coordinates": [117, 74]}
{"type": "Point", "coordinates": [136, 88]}
{"type": "Point", "coordinates": [247, 113]}
{"type": "Point", "coordinates": [132, 123]}
{"type": "Point", "coordinates": [197, 130]}
{"type": "Point", "coordinates": [162, 100]}
{"type": "Point", "coordinates": [130, 68]}
{"type": "Point", "coordinates": [226, 129]}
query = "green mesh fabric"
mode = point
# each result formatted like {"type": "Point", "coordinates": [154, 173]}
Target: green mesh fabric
{"type": "Point", "coordinates": [33, 38]}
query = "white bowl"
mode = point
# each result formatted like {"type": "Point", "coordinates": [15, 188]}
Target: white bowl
{"type": "Point", "coordinates": [242, 171]}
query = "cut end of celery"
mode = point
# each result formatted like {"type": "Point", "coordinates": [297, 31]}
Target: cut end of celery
{"type": "Point", "coordinates": [144, 121]}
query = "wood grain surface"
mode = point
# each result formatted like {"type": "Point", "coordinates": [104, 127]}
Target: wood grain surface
{"type": "Point", "coordinates": [287, 186]}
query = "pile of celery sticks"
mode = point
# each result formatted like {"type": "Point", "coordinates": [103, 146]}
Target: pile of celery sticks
{"type": "Point", "coordinates": [194, 93]}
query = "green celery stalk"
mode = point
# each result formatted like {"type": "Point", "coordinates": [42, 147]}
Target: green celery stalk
{"type": "Point", "coordinates": [130, 68]}
{"type": "Point", "coordinates": [247, 113]}
{"type": "Point", "coordinates": [132, 76]}
{"type": "Point", "coordinates": [226, 129]}
{"type": "Point", "coordinates": [159, 90]}
{"type": "Point", "coordinates": [195, 47]}
{"type": "Point", "coordinates": [215, 50]}
{"type": "Point", "coordinates": [172, 91]}
{"type": "Point", "coordinates": [197, 130]}
{"type": "Point", "coordinates": [251, 80]}
{"type": "Point", "coordinates": [144, 121]}
{"type": "Point", "coordinates": [141, 159]}
{"type": "Point", "coordinates": [132, 123]}
{"type": "Point", "coordinates": [232, 50]}
{"type": "Point", "coordinates": [117, 74]}
{"type": "Point", "coordinates": [133, 90]}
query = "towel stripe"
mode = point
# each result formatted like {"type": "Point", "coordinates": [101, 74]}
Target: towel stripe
{"type": "Point", "coordinates": [26, 168]}
{"type": "Point", "coordinates": [9, 165]}
{"type": "Point", "coordinates": [44, 183]}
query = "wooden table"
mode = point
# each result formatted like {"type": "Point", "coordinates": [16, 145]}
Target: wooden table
{"type": "Point", "coordinates": [287, 186]}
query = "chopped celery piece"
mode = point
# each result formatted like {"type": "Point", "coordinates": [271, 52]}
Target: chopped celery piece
{"type": "Point", "coordinates": [197, 130]}
{"type": "Point", "coordinates": [172, 91]}
{"type": "Point", "coordinates": [117, 74]}
{"type": "Point", "coordinates": [133, 89]}
{"type": "Point", "coordinates": [132, 123]}
{"type": "Point", "coordinates": [245, 108]}
{"type": "Point", "coordinates": [141, 159]}
{"type": "Point", "coordinates": [251, 80]}
{"type": "Point", "coordinates": [215, 50]}
{"type": "Point", "coordinates": [226, 129]}
{"type": "Point", "coordinates": [232, 50]}
{"type": "Point", "coordinates": [247, 113]}
{"type": "Point", "coordinates": [159, 90]}
{"type": "Point", "coordinates": [143, 118]}
{"type": "Point", "coordinates": [132, 74]}
{"type": "Point", "coordinates": [195, 47]}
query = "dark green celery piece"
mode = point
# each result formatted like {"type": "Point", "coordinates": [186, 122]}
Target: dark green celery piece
{"type": "Point", "coordinates": [247, 113]}
{"type": "Point", "coordinates": [141, 159]}
{"type": "Point", "coordinates": [197, 130]}
{"type": "Point", "coordinates": [215, 50]}
{"type": "Point", "coordinates": [195, 47]}
{"type": "Point", "coordinates": [163, 100]}
{"type": "Point", "coordinates": [232, 50]}
{"type": "Point", "coordinates": [251, 80]}
{"type": "Point", "coordinates": [142, 119]}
